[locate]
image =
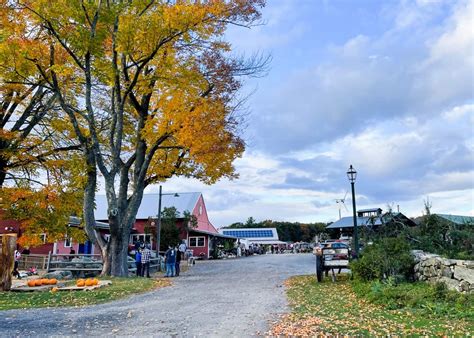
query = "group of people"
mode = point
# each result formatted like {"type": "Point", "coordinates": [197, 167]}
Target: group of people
{"type": "Point", "coordinates": [142, 259]}
{"type": "Point", "coordinates": [173, 258]}
{"type": "Point", "coordinates": [242, 250]}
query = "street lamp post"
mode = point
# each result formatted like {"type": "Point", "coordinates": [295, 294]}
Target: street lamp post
{"type": "Point", "coordinates": [351, 175]}
{"type": "Point", "coordinates": [158, 226]}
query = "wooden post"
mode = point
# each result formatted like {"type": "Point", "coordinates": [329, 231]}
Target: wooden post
{"type": "Point", "coordinates": [49, 262]}
{"type": "Point", "coordinates": [7, 261]}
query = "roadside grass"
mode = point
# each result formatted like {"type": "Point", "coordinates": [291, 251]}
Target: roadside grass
{"type": "Point", "coordinates": [335, 309]}
{"type": "Point", "coordinates": [120, 288]}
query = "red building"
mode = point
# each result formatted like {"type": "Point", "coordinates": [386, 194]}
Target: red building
{"type": "Point", "coordinates": [12, 226]}
{"type": "Point", "coordinates": [200, 239]}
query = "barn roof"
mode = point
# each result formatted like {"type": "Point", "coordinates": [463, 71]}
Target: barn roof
{"type": "Point", "coordinates": [347, 222]}
{"type": "Point", "coordinates": [457, 219]}
{"type": "Point", "coordinates": [183, 201]}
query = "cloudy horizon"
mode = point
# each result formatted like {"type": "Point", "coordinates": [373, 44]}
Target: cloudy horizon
{"type": "Point", "coordinates": [385, 86]}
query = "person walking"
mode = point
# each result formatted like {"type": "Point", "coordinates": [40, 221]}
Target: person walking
{"type": "Point", "coordinates": [146, 255]}
{"type": "Point", "coordinates": [138, 262]}
{"type": "Point", "coordinates": [17, 257]}
{"type": "Point", "coordinates": [170, 260]}
{"type": "Point", "coordinates": [182, 247]}
{"type": "Point", "coordinates": [179, 254]}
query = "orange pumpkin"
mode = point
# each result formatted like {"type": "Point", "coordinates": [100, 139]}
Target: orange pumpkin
{"type": "Point", "coordinates": [53, 281]}
{"type": "Point", "coordinates": [80, 282]}
{"type": "Point", "coordinates": [44, 281]}
{"type": "Point", "coordinates": [89, 282]}
{"type": "Point", "coordinates": [55, 289]}
{"type": "Point", "coordinates": [31, 283]}
{"type": "Point", "coordinates": [95, 281]}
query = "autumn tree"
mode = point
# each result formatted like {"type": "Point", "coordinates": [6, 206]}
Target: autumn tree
{"type": "Point", "coordinates": [151, 91]}
{"type": "Point", "coordinates": [38, 183]}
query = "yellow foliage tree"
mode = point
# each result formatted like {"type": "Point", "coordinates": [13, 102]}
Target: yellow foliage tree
{"type": "Point", "coordinates": [150, 89]}
{"type": "Point", "coordinates": [32, 148]}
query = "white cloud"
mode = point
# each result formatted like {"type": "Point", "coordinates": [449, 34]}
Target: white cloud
{"type": "Point", "coordinates": [448, 72]}
{"type": "Point", "coordinates": [459, 112]}
{"type": "Point", "coordinates": [397, 104]}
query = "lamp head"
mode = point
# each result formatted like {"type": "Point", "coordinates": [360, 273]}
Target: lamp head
{"type": "Point", "coordinates": [351, 174]}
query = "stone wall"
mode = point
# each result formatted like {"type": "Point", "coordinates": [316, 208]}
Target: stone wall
{"type": "Point", "coordinates": [456, 274]}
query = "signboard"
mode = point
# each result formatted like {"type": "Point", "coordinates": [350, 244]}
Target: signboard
{"type": "Point", "coordinates": [338, 263]}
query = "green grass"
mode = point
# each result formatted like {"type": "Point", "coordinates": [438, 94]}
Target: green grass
{"type": "Point", "coordinates": [120, 288]}
{"type": "Point", "coordinates": [335, 309]}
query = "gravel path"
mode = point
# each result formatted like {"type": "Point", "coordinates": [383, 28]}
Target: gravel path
{"type": "Point", "coordinates": [216, 298]}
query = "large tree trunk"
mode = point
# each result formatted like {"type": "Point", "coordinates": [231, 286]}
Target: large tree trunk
{"type": "Point", "coordinates": [6, 266]}
{"type": "Point", "coordinates": [117, 254]}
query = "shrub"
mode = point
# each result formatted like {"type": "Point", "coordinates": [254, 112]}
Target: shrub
{"type": "Point", "coordinates": [426, 299]}
{"type": "Point", "coordinates": [386, 259]}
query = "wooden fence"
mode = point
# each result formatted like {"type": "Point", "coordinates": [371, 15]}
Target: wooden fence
{"type": "Point", "coordinates": [32, 260]}
{"type": "Point", "coordinates": [89, 263]}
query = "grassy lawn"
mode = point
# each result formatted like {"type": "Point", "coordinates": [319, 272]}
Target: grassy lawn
{"type": "Point", "coordinates": [120, 288]}
{"type": "Point", "coordinates": [335, 309]}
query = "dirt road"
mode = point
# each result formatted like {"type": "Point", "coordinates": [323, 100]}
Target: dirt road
{"type": "Point", "coordinates": [216, 298]}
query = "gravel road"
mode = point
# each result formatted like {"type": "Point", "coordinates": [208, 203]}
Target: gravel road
{"type": "Point", "coordinates": [215, 298]}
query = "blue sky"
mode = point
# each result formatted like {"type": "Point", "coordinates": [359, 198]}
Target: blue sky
{"type": "Point", "coordinates": [387, 86]}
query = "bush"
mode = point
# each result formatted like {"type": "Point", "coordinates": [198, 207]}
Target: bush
{"type": "Point", "coordinates": [426, 299]}
{"type": "Point", "coordinates": [439, 236]}
{"type": "Point", "coordinates": [386, 259]}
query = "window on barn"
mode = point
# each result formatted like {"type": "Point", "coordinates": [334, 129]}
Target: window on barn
{"type": "Point", "coordinates": [68, 242]}
{"type": "Point", "coordinates": [144, 238]}
{"type": "Point", "coordinates": [196, 241]}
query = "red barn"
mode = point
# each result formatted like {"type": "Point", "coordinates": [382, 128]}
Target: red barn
{"type": "Point", "coordinates": [12, 226]}
{"type": "Point", "coordinates": [199, 239]}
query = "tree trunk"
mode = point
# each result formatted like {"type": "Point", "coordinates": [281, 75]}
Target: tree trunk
{"type": "Point", "coordinates": [105, 261]}
{"type": "Point", "coordinates": [3, 167]}
{"type": "Point", "coordinates": [6, 266]}
{"type": "Point", "coordinates": [115, 256]}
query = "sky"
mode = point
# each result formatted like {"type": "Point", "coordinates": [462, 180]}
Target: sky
{"type": "Point", "coordinates": [387, 86]}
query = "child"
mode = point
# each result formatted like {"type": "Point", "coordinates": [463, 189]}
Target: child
{"type": "Point", "coordinates": [17, 256]}
{"type": "Point", "coordinates": [138, 262]}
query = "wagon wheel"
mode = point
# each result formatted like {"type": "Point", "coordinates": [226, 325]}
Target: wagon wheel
{"type": "Point", "coordinates": [319, 269]}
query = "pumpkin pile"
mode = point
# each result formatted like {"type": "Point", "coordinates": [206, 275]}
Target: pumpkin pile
{"type": "Point", "coordinates": [42, 281]}
{"type": "Point", "coordinates": [87, 282]}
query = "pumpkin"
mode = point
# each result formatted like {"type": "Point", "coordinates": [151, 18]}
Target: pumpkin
{"type": "Point", "coordinates": [45, 281]}
{"type": "Point", "coordinates": [38, 282]}
{"type": "Point", "coordinates": [53, 281]}
{"type": "Point", "coordinates": [31, 283]}
{"type": "Point", "coordinates": [55, 289]}
{"type": "Point", "coordinates": [95, 281]}
{"type": "Point", "coordinates": [80, 282]}
{"type": "Point", "coordinates": [89, 282]}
